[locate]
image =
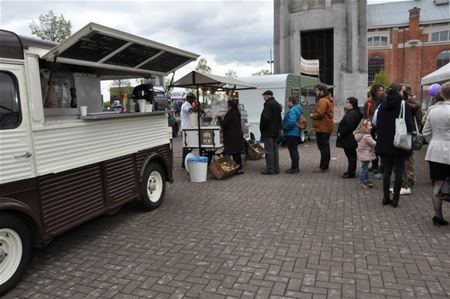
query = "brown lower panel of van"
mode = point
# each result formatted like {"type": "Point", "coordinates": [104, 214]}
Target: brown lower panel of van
{"type": "Point", "coordinates": [59, 202]}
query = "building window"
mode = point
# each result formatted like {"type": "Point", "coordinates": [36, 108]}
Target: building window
{"type": "Point", "coordinates": [376, 63]}
{"type": "Point", "coordinates": [440, 36]}
{"type": "Point", "coordinates": [443, 58]}
{"type": "Point", "coordinates": [10, 113]}
{"type": "Point", "coordinates": [377, 41]}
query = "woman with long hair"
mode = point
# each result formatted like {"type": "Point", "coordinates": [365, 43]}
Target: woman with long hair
{"type": "Point", "coordinates": [393, 157]}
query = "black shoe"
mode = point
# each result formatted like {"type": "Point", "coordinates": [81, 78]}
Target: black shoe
{"type": "Point", "coordinates": [240, 171]}
{"type": "Point", "coordinates": [395, 203]}
{"type": "Point", "coordinates": [386, 201]}
{"type": "Point", "coordinates": [292, 171]}
{"type": "Point", "coordinates": [277, 172]}
{"type": "Point", "coordinates": [267, 172]}
{"type": "Point", "coordinates": [348, 175]}
{"type": "Point", "coordinates": [439, 221]}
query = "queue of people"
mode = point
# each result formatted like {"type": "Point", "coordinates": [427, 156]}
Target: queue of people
{"type": "Point", "coordinates": [367, 137]}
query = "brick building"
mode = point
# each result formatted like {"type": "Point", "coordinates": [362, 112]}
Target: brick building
{"type": "Point", "coordinates": [408, 39]}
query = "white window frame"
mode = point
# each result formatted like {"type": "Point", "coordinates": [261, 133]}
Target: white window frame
{"type": "Point", "coordinates": [380, 35]}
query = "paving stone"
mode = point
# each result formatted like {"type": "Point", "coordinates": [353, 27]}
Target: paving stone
{"type": "Point", "coordinates": [252, 236]}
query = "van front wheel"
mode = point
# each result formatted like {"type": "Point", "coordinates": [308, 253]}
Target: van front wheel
{"type": "Point", "coordinates": [15, 250]}
{"type": "Point", "coordinates": [154, 187]}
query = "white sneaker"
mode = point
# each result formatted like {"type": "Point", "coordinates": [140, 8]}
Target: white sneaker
{"type": "Point", "coordinates": [391, 190]}
{"type": "Point", "coordinates": [405, 191]}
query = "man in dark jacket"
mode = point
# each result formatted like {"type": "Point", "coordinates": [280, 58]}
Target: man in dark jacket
{"type": "Point", "coordinates": [270, 127]}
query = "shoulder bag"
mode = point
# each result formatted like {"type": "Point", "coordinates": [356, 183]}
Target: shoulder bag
{"type": "Point", "coordinates": [444, 193]}
{"type": "Point", "coordinates": [301, 124]}
{"type": "Point", "coordinates": [402, 139]}
{"type": "Point", "coordinates": [417, 137]}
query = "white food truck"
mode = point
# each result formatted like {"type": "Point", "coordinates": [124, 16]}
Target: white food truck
{"type": "Point", "coordinates": [59, 169]}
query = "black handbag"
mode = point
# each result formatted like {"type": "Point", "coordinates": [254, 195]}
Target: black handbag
{"type": "Point", "coordinates": [444, 193]}
{"type": "Point", "coordinates": [417, 138]}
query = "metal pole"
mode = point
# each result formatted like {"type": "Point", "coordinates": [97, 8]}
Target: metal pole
{"type": "Point", "coordinates": [198, 116]}
{"type": "Point", "coordinates": [270, 61]}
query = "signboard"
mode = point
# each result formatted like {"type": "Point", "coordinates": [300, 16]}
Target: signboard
{"type": "Point", "coordinates": [309, 66]}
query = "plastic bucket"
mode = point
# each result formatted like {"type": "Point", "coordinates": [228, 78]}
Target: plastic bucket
{"type": "Point", "coordinates": [198, 169]}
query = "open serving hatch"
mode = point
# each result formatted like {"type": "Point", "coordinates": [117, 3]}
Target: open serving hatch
{"type": "Point", "coordinates": [101, 47]}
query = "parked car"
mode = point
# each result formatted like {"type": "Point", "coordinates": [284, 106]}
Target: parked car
{"type": "Point", "coordinates": [161, 97]}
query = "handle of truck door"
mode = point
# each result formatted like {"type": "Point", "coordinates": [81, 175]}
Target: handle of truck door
{"type": "Point", "coordinates": [27, 155]}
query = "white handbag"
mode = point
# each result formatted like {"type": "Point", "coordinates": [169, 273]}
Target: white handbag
{"type": "Point", "coordinates": [402, 138]}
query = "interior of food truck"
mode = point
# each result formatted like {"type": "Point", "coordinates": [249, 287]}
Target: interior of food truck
{"type": "Point", "coordinates": [71, 73]}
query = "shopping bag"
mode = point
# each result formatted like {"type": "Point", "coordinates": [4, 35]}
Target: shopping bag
{"type": "Point", "coordinates": [444, 193]}
{"type": "Point", "coordinates": [417, 138]}
{"type": "Point", "coordinates": [402, 139]}
{"type": "Point", "coordinates": [301, 124]}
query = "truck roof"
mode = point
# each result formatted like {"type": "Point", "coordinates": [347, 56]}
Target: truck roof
{"type": "Point", "coordinates": [13, 45]}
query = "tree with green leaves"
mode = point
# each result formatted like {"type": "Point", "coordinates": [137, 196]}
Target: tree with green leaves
{"type": "Point", "coordinates": [262, 73]}
{"type": "Point", "coordinates": [202, 66]}
{"type": "Point", "coordinates": [381, 78]}
{"type": "Point", "coordinates": [51, 27]}
{"type": "Point", "coordinates": [231, 74]}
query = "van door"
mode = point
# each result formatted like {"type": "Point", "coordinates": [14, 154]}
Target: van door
{"type": "Point", "coordinates": [16, 154]}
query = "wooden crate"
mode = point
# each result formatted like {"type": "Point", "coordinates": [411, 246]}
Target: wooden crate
{"type": "Point", "coordinates": [255, 152]}
{"type": "Point", "coordinates": [223, 167]}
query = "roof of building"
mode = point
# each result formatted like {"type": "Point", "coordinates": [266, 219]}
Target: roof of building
{"type": "Point", "coordinates": [397, 13]}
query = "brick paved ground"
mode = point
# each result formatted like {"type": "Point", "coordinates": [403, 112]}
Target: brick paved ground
{"type": "Point", "coordinates": [253, 236]}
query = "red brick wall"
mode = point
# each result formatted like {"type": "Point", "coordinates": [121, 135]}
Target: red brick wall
{"type": "Point", "coordinates": [408, 65]}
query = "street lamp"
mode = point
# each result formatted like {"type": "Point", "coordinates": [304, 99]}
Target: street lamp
{"type": "Point", "coordinates": [270, 61]}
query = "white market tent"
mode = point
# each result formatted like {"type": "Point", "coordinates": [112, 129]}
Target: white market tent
{"type": "Point", "coordinates": [199, 79]}
{"type": "Point", "coordinates": [439, 76]}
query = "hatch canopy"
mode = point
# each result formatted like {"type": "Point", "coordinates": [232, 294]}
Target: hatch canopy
{"type": "Point", "coordinates": [99, 46]}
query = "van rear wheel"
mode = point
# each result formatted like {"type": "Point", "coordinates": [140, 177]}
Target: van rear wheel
{"type": "Point", "coordinates": [153, 187]}
{"type": "Point", "coordinates": [15, 250]}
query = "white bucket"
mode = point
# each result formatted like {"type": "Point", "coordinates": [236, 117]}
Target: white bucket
{"type": "Point", "coordinates": [142, 105]}
{"type": "Point", "coordinates": [198, 169]}
{"type": "Point", "coordinates": [148, 107]}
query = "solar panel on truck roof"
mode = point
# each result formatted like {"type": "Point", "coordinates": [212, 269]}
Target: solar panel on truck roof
{"type": "Point", "coordinates": [102, 47]}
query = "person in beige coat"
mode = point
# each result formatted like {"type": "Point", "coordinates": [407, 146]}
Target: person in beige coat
{"type": "Point", "coordinates": [437, 132]}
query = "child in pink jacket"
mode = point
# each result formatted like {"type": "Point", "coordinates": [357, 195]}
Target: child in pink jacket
{"type": "Point", "coordinates": [365, 151]}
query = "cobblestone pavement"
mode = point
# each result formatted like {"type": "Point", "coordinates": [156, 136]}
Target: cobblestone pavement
{"type": "Point", "coordinates": [254, 236]}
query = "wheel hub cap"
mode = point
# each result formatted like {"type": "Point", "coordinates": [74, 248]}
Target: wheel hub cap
{"type": "Point", "coordinates": [152, 186]}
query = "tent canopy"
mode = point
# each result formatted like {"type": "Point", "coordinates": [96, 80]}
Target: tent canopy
{"type": "Point", "coordinates": [198, 79]}
{"type": "Point", "coordinates": [440, 75]}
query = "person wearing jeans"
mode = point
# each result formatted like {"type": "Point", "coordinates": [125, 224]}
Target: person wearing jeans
{"type": "Point", "coordinates": [322, 119]}
{"type": "Point", "coordinates": [396, 163]}
{"type": "Point", "coordinates": [270, 127]}
{"type": "Point", "coordinates": [365, 150]}
{"type": "Point", "coordinates": [364, 174]}
{"type": "Point", "coordinates": [271, 156]}
{"type": "Point", "coordinates": [323, 143]}
{"type": "Point", "coordinates": [292, 133]}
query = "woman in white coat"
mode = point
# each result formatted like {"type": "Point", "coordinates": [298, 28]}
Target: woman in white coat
{"type": "Point", "coordinates": [437, 132]}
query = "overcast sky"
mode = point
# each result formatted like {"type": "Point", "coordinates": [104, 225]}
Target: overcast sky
{"type": "Point", "coordinates": [232, 34]}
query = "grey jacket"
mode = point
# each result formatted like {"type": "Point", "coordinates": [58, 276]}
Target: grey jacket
{"type": "Point", "coordinates": [437, 132]}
